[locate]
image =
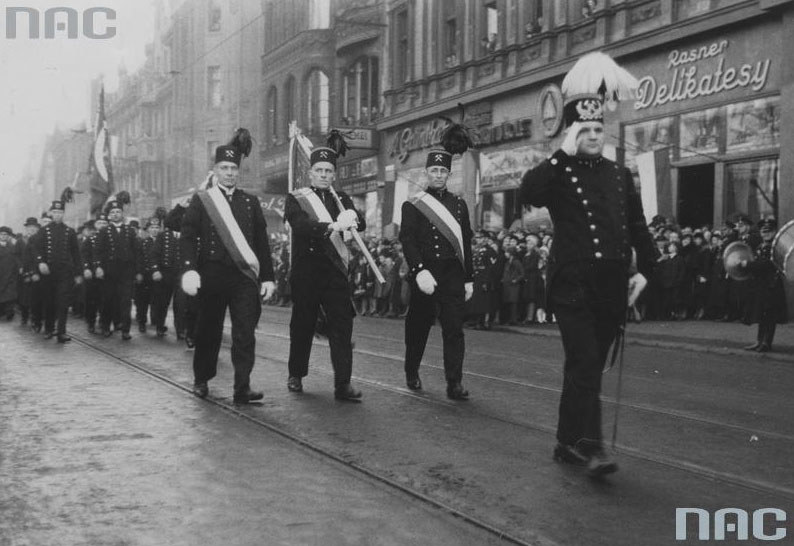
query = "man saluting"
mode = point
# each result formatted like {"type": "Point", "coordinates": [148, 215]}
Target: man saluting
{"type": "Point", "coordinates": [231, 269]}
{"type": "Point", "coordinates": [598, 218]}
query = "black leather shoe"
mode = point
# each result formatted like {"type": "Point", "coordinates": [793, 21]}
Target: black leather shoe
{"type": "Point", "coordinates": [63, 338]}
{"type": "Point", "coordinates": [346, 392]}
{"type": "Point", "coordinates": [142, 327]}
{"type": "Point", "coordinates": [106, 332]}
{"type": "Point", "coordinates": [601, 464]}
{"type": "Point", "coordinates": [455, 391]}
{"type": "Point", "coordinates": [91, 329]}
{"type": "Point", "coordinates": [36, 328]}
{"type": "Point", "coordinates": [49, 335]}
{"type": "Point", "coordinates": [161, 332]}
{"type": "Point", "coordinates": [568, 454]}
{"type": "Point", "coordinates": [190, 342]}
{"type": "Point", "coordinates": [201, 389]}
{"type": "Point", "coordinates": [763, 348]}
{"type": "Point", "coordinates": [415, 384]}
{"type": "Point", "coordinates": [126, 336]}
{"type": "Point", "coordinates": [294, 384]}
{"type": "Point", "coordinates": [753, 347]}
{"type": "Point", "coordinates": [248, 396]}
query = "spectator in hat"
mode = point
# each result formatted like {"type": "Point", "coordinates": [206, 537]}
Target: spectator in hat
{"type": "Point", "coordinates": [25, 296]}
{"type": "Point", "coordinates": [9, 271]}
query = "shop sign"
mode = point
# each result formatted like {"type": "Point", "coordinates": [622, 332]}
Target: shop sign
{"type": "Point", "coordinates": [550, 108]}
{"type": "Point", "coordinates": [506, 131]}
{"type": "Point", "coordinates": [279, 160]}
{"type": "Point", "coordinates": [689, 80]}
{"type": "Point", "coordinates": [416, 137]}
{"type": "Point", "coordinates": [503, 170]}
{"type": "Point", "coordinates": [360, 186]}
{"type": "Point", "coordinates": [273, 204]}
{"type": "Point", "coordinates": [359, 139]}
{"type": "Point", "coordinates": [362, 168]}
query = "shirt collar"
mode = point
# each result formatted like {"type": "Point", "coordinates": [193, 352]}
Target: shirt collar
{"type": "Point", "coordinates": [228, 191]}
{"type": "Point", "coordinates": [437, 193]}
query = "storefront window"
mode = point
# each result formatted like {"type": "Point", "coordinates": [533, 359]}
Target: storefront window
{"type": "Point", "coordinates": [648, 136]}
{"type": "Point", "coordinates": [700, 132]}
{"type": "Point", "coordinates": [754, 124]}
{"type": "Point", "coordinates": [751, 188]}
{"type": "Point", "coordinates": [493, 211]}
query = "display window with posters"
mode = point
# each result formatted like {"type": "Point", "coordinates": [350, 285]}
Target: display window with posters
{"type": "Point", "coordinates": [751, 187]}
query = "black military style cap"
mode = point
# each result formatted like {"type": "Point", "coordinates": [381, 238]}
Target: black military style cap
{"type": "Point", "coordinates": [439, 158]}
{"type": "Point", "coordinates": [323, 154]}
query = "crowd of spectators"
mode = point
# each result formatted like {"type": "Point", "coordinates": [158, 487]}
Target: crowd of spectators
{"type": "Point", "coordinates": [688, 283]}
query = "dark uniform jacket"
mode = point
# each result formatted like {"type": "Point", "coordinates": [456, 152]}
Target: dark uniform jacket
{"type": "Point", "coordinates": [766, 294]}
{"type": "Point", "coordinates": [145, 258]}
{"type": "Point", "coordinates": [56, 245]}
{"type": "Point", "coordinates": [424, 244]}
{"type": "Point", "coordinates": [165, 252]}
{"type": "Point", "coordinates": [596, 211]}
{"type": "Point", "coordinates": [117, 246]}
{"type": "Point", "coordinates": [313, 253]}
{"type": "Point", "coordinates": [88, 252]}
{"type": "Point", "coordinates": [196, 224]}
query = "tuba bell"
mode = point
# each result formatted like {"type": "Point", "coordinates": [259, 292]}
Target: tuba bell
{"type": "Point", "coordinates": [732, 258]}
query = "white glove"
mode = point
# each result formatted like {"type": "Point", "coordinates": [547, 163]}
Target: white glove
{"type": "Point", "coordinates": [426, 282]}
{"type": "Point", "coordinates": [44, 268]}
{"type": "Point", "coordinates": [541, 314]}
{"type": "Point", "coordinates": [157, 276]}
{"type": "Point", "coordinates": [78, 280]}
{"type": "Point", "coordinates": [469, 288]}
{"type": "Point", "coordinates": [87, 274]}
{"type": "Point", "coordinates": [35, 277]}
{"type": "Point", "coordinates": [569, 145]}
{"type": "Point", "coordinates": [337, 226]}
{"type": "Point", "coordinates": [100, 273]}
{"type": "Point", "coordinates": [637, 284]}
{"type": "Point", "coordinates": [191, 282]}
{"type": "Point", "coordinates": [138, 278]}
{"type": "Point", "coordinates": [267, 290]}
{"type": "Point", "coordinates": [348, 218]}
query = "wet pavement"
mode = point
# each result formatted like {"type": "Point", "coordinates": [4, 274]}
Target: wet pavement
{"type": "Point", "coordinates": [95, 453]}
{"type": "Point", "coordinates": [697, 429]}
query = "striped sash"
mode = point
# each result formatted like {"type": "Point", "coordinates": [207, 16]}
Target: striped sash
{"type": "Point", "coordinates": [314, 207]}
{"type": "Point", "coordinates": [231, 236]}
{"type": "Point", "coordinates": [435, 211]}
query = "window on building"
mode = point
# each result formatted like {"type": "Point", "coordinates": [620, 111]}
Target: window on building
{"type": "Point", "coordinates": [401, 59]}
{"type": "Point", "coordinates": [450, 33]}
{"type": "Point", "coordinates": [751, 188]}
{"type": "Point", "coordinates": [289, 103]}
{"type": "Point", "coordinates": [360, 92]}
{"type": "Point", "coordinates": [319, 14]}
{"type": "Point", "coordinates": [534, 22]}
{"type": "Point", "coordinates": [214, 95]}
{"type": "Point", "coordinates": [318, 107]}
{"type": "Point", "coordinates": [490, 40]}
{"type": "Point", "coordinates": [271, 124]}
{"type": "Point", "coordinates": [213, 16]}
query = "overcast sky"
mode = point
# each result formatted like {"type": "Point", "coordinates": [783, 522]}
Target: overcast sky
{"type": "Point", "coordinates": [47, 82]}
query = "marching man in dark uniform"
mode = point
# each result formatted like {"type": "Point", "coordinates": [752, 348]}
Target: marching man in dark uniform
{"type": "Point", "coordinates": [116, 265]}
{"type": "Point", "coordinates": [232, 268]}
{"type": "Point", "coordinates": [26, 291]}
{"type": "Point", "coordinates": [93, 286]}
{"type": "Point", "coordinates": [143, 279]}
{"type": "Point", "coordinates": [598, 218]}
{"type": "Point", "coordinates": [436, 237]}
{"type": "Point", "coordinates": [766, 299]}
{"type": "Point", "coordinates": [164, 270]}
{"type": "Point", "coordinates": [319, 275]}
{"type": "Point", "coordinates": [58, 259]}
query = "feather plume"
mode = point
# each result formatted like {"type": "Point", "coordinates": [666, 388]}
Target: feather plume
{"type": "Point", "coordinates": [598, 73]}
{"type": "Point", "coordinates": [336, 141]}
{"type": "Point", "coordinates": [242, 141]}
{"type": "Point", "coordinates": [458, 137]}
{"type": "Point", "coordinates": [123, 197]}
{"type": "Point", "coordinates": [67, 195]}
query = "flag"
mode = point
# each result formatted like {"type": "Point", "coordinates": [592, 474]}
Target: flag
{"type": "Point", "coordinates": [655, 183]}
{"type": "Point", "coordinates": [99, 168]}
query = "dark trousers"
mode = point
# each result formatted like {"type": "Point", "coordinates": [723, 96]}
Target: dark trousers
{"type": "Point", "coordinates": [589, 302]}
{"type": "Point", "coordinates": [56, 296]}
{"type": "Point", "coordinates": [186, 312]}
{"type": "Point", "coordinates": [225, 286]}
{"type": "Point", "coordinates": [162, 292]}
{"type": "Point", "coordinates": [448, 304]}
{"type": "Point", "coordinates": [330, 290]}
{"type": "Point", "coordinates": [23, 300]}
{"type": "Point", "coordinates": [93, 299]}
{"type": "Point", "coordinates": [36, 304]}
{"type": "Point", "coordinates": [117, 296]}
{"type": "Point", "coordinates": [142, 298]}
{"type": "Point", "coordinates": [766, 329]}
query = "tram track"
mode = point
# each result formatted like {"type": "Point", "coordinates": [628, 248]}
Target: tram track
{"type": "Point", "coordinates": [635, 453]}
{"type": "Point", "coordinates": [502, 535]}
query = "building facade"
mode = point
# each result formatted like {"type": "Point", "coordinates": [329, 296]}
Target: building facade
{"type": "Point", "coordinates": [504, 61]}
